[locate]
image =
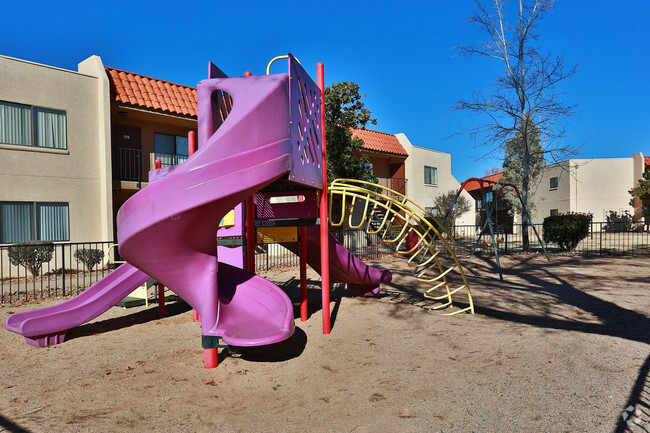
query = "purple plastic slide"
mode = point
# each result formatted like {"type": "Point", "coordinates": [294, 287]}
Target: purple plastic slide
{"type": "Point", "coordinates": [362, 280]}
{"type": "Point", "coordinates": [168, 229]}
{"type": "Point", "coordinates": [47, 326]}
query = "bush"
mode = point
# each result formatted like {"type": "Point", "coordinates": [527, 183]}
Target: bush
{"type": "Point", "coordinates": [618, 223]}
{"type": "Point", "coordinates": [31, 255]}
{"type": "Point", "coordinates": [89, 257]}
{"type": "Point", "coordinates": [566, 230]}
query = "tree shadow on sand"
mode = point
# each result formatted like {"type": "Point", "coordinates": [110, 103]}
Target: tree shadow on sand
{"type": "Point", "coordinates": [576, 294]}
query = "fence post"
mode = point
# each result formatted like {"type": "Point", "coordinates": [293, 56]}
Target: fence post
{"type": "Point", "coordinates": [139, 165]}
{"type": "Point", "coordinates": [63, 266]}
{"type": "Point", "coordinates": [600, 249]}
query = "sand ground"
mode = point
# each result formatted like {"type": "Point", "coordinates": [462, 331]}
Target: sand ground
{"type": "Point", "coordinates": [555, 347]}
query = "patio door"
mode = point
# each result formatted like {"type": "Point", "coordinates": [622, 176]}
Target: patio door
{"type": "Point", "coordinates": [126, 153]}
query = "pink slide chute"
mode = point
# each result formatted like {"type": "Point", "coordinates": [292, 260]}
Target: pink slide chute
{"type": "Point", "coordinates": [47, 326]}
{"type": "Point", "coordinates": [168, 229]}
{"type": "Point", "coordinates": [361, 279]}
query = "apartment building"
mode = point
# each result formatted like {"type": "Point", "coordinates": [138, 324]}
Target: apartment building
{"type": "Point", "coordinates": [592, 186]}
{"type": "Point", "coordinates": [55, 174]}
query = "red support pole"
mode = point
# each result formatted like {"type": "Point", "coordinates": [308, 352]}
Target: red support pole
{"type": "Point", "coordinates": [161, 288]}
{"type": "Point", "coordinates": [303, 273]}
{"type": "Point", "coordinates": [250, 224]}
{"type": "Point", "coordinates": [250, 234]}
{"type": "Point", "coordinates": [161, 299]}
{"type": "Point", "coordinates": [324, 227]}
{"type": "Point", "coordinates": [191, 143]}
{"type": "Point", "coordinates": [210, 358]}
{"type": "Point", "coordinates": [191, 148]}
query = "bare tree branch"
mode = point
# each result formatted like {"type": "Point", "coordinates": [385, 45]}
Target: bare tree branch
{"type": "Point", "coordinates": [524, 101]}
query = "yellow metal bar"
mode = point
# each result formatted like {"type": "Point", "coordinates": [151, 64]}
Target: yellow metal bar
{"type": "Point", "coordinates": [268, 67]}
{"type": "Point", "coordinates": [108, 255]}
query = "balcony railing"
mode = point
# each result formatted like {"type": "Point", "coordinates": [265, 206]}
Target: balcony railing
{"type": "Point", "coordinates": [134, 164]}
{"type": "Point", "coordinates": [395, 183]}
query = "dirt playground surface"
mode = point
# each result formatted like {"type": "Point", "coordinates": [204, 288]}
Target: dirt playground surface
{"type": "Point", "coordinates": [555, 347]}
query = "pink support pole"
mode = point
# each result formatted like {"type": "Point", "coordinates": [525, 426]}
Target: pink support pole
{"type": "Point", "coordinates": [324, 227]}
{"type": "Point", "coordinates": [303, 273]}
{"type": "Point", "coordinates": [210, 358]}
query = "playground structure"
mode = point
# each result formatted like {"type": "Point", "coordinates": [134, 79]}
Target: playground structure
{"type": "Point", "coordinates": [257, 134]}
{"type": "Point", "coordinates": [260, 138]}
{"type": "Point", "coordinates": [488, 221]}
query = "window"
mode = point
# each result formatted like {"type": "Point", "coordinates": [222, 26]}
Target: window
{"type": "Point", "coordinates": [28, 221]}
{"type": "Point", "coordinates": [170, 149]}
{"type": "Point", "coordinates": [430, 175]}
{"type": "Point", "coordinates": [554, 212]}
{"type": "Point", "coordinates": [489, 196]}
{"type": "Point", "coordinates": [554, 183]}
{"type": "Point", "coordinates": [25, 125]}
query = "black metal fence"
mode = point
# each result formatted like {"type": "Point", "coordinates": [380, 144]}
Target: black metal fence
{"type": "Point", "coordinates": [31, 271]}
{"type": "Point", "coordinates": [67, 272]}
{"type": "Point", "coordinates": [603, 239]}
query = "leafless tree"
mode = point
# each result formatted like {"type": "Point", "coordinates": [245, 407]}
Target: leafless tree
{"type": "Point", "coordinates": [524, 95]}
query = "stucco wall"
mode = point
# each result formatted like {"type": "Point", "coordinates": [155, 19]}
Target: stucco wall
{"type": "Point", "coordinates": [599, 184]}
{"type": "Point", "coordinates": [76, 175]}
{"type": "Point", "coordinates": [423, 194]}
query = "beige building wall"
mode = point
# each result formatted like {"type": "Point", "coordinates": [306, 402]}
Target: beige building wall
{"type": "Point", "coordinates": [424, 194]}
{"type": "Point", "coordinates": [585, 185]}
{"type": "Point", "coordinates": [78, 175]}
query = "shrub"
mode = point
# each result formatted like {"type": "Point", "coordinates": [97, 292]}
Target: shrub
{"type": "Point", "coordinates": [618, 223]}
{"type": "Point", "coordinates": [89, 257]}
{"type": "Point", "coordinates": [566, 230]}
{"type": "Point", "coordinates": [31, 255]}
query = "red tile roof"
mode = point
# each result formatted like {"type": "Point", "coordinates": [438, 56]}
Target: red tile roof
{"type": "Point", "coordinates": [152, 94]}
{"type": "Point", "coordinates": [647, 161]}
{"type": "Point", "coordinates": [487, 181]}
{"type": "Point", "coordinates": [375, 141]}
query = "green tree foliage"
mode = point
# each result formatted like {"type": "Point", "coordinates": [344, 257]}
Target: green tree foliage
{"type": "Point", "coordinates": [642, 191]}
{"type": "Point", "coordinates": [618, 223]}
{"type": "Point", "coordinates": [566, 230]}
{"type": "Point", "coordinates": [345, 110]}
{"type": "Point", "coordinates": [443, 202]}
{"type": "Point", "coordinates": [514, 159]}
{"type": "Point", "coordinates": [31, 255]}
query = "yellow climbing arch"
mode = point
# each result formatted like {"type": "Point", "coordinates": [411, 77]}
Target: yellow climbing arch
{"type": "Point", "coordinates": [415, 233]}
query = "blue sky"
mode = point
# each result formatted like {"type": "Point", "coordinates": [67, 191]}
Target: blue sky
{"type": "Point", "coordinates": [400, 53]}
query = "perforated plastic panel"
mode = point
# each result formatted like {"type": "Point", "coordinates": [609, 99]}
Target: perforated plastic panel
{"type": "Point", "coordinates": [305, 109]}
